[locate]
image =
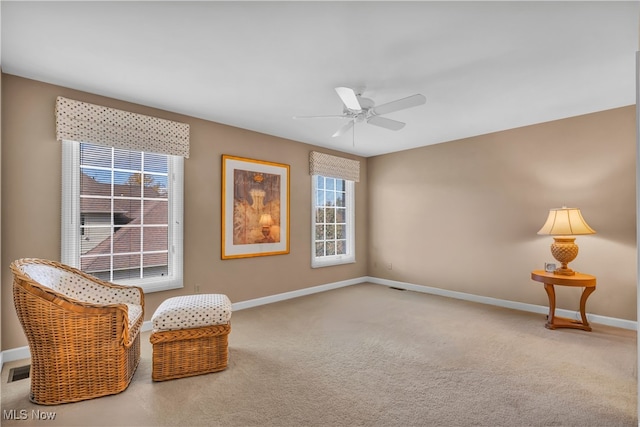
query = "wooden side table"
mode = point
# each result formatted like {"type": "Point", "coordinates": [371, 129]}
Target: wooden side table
{"type": "Point", "coordinates": [585, 281]}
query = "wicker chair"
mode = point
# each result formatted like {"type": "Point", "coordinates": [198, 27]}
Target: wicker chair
{"type": "Point", "coordinates": [83, 333]}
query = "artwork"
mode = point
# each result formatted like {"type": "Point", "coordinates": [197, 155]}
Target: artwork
{"type": "Point", "coordinates": [255, 208]}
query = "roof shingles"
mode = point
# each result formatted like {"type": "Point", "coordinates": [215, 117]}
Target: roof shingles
{"type": "Point", "coordinates": [149, 222]}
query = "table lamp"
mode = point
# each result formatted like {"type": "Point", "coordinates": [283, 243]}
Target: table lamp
{"type": "Point", "coordinates": [563, 223]}
{"type": "Point", "coordinates": [266, 222]}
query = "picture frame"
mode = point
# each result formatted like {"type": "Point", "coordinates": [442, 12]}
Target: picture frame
{"type": "Point", "coordinates": [549, 267]}
{"type": "Point", "coordinates": [255, 207]}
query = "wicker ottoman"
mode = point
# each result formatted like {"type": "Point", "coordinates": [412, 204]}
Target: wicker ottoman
{"type": "Point", "coordinates": [190, 336]}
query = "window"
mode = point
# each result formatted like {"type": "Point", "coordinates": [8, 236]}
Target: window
{"type": "Point", "coordinates": [333, 221]}
{"type": "Point", "coordinates": [122, 215]}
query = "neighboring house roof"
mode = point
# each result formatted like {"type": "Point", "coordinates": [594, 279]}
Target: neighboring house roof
{"type": "Point", "coordinates": [89, 186]}
{"type": "Point", "coordinates": [126, 239]}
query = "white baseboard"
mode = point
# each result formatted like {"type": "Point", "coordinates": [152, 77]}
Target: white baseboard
{"type": "Point", "coordinates": [294, 294]}
{"type": "Point", "coordinates": [23, 352]}
{"type": "Point", "coordinates": [593, 318]}
{"type": "Point", "coordinates": [15, 354]}
{"type": "Point", "coordinates": [237, 306]}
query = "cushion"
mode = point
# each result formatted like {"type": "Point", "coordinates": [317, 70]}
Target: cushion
{"type": "Point", "coordinates": [134, 311]}
{"type": "Point", "coordinates": [84, 290]}
{"type": "Point", "coordinates": [80, 288]}
{"type": "Point", "coordinates": [45, 275]}
{"type": "Point", "coordinates": [192, 311]}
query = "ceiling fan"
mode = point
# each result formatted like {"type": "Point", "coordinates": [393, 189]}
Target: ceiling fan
{"type": "Point", "coordinates": [359, 109]}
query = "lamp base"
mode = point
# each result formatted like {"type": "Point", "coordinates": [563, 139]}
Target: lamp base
{"type": "Point", "coordinates": [564, 272]}
{"type": "Point", "coordinates": [564, 250]}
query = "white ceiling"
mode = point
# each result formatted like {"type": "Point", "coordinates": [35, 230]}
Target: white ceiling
{"type": "Point", "coordinates": [483, 66]}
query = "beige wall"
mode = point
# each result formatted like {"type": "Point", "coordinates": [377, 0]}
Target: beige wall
{"type": "Point", "coordinates": [463, 215]}
{"type": "Point", "coordinates": [31, 189]}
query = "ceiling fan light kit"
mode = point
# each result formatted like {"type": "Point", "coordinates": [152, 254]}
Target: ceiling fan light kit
{"type": "Point", "coordinates": [363, 110]}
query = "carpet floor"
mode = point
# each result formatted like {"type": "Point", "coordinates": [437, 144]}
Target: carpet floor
{"type": "Point", "coordinates": [368, 355]}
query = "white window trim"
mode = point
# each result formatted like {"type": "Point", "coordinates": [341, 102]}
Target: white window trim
{"type": "Point", "coordinates": [70, 225]}
{"type": "Point", "coordinates": [350, 256]}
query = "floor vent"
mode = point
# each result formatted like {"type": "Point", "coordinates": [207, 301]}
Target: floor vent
{"type": "Point", "coordinates": [396, 289]}
{"type": "Point", "coordinates": [19, 373]}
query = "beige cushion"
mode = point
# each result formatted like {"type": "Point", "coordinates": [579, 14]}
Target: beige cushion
{"type": "Point", "coordinates": [134, 311]}
{"type": "Point", "coordinates": [79, 288]}
{"type": "Point", "coordinates": [84, 290]}
{"type": "Point", "coordinates": [192, 311]}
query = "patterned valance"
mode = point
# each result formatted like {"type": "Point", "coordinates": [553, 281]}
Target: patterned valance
{"type": "Point", "coordinates": [335, 167]}
{"type": "Point", "coordinates": [80, 121]}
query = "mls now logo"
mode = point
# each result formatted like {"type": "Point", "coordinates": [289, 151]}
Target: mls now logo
{"type": "Point", "coordinates": [23, 414]}
{"type": "Point", "coordinates": [37, 414]}
{"type": "Point", "coordinates": [14, 414]}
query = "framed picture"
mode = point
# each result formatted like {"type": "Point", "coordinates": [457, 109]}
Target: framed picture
{"type": "Point", "coordinates": [255, 208]}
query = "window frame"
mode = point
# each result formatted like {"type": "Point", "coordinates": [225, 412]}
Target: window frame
{"type": "Point", "coordinates": [350, 256]}
{"type": "Point", "coordinates": [71, 218]}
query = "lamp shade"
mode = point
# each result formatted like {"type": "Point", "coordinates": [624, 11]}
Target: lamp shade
{"type": "Point", "coordinates": [266, 220]}
{"type": "Point", "coordinates": [565, 222]}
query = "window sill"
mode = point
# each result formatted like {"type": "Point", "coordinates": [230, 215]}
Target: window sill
{"type": "Point", "coordinates": [328, 262]}
{"type": "Point", "coordinates": [151, 286]}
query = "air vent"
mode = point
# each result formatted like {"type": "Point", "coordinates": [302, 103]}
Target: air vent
{"type": "Point", "coordinates": [19, 373]}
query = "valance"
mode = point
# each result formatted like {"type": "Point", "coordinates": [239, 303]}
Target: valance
{"type": "Point", "coordinates": [334, 167]}
{"type": "Point", "coordinates": [84, 122]}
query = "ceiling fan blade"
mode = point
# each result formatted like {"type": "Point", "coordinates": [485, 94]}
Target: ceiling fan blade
{"type": "Point", "coordinates": [349, 98]}
{"type": "Point", "coordinates": [400, 104]}
{"type": "Point", "coordinates": [344, 129]}
{"type": "Point", "coordinates": [342, 116]}
{"type": "Point", "coordinates": [385, 123]}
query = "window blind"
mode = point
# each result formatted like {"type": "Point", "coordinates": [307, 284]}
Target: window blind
{"type": "Point", "coordinates": [84, 122]}
{"type": "Point", "coordinates": [333, 166]}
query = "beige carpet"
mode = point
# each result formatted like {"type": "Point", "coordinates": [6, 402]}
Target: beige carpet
{"type": "Point", "coordinates": [368, 355]}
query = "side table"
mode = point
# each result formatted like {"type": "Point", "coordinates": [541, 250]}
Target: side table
{"type": "Point", "coordinates": [585, 281]}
